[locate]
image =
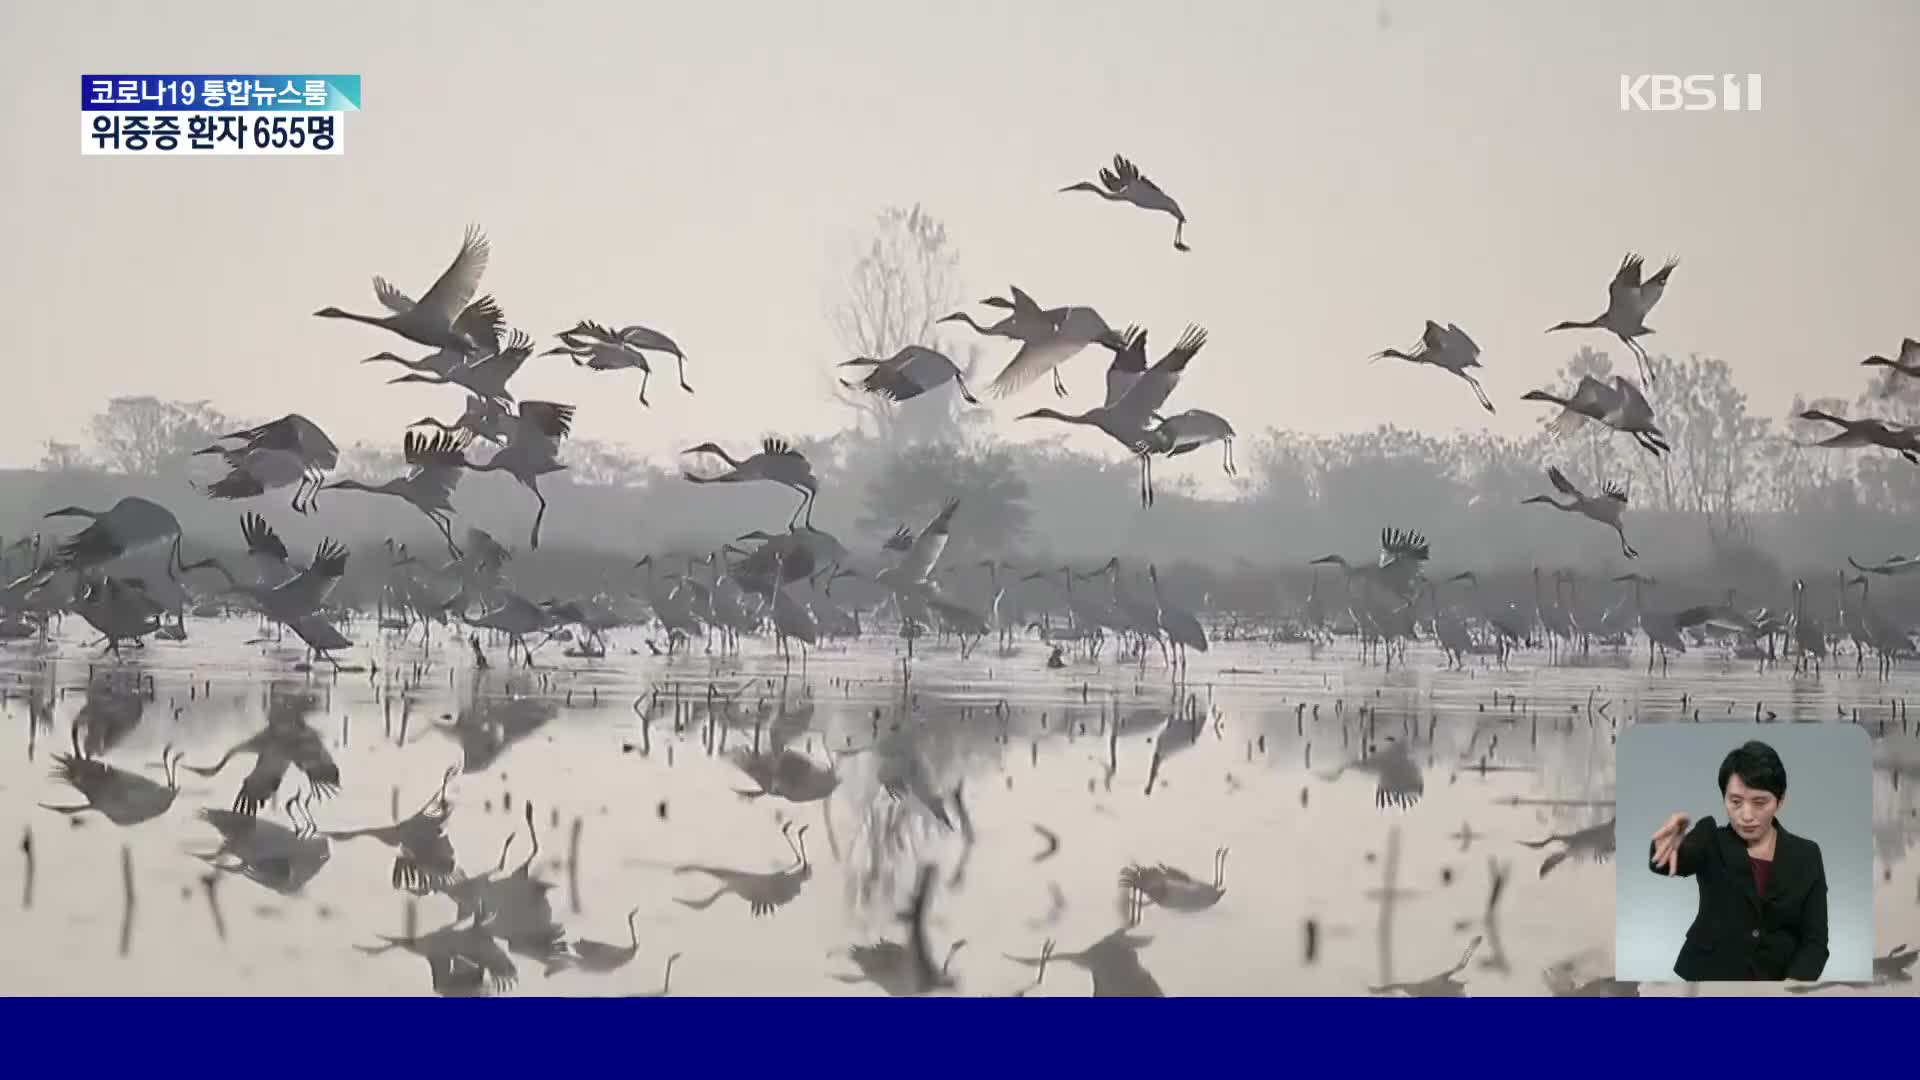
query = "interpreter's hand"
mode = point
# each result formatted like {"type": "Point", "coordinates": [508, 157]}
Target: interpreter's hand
{"type": "Point", "coordinates": [1666, 843]}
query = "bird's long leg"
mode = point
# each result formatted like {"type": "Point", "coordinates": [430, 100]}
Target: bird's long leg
{"type": "Point", "coordinates": [1640, 354]}
{"type": "Point", "coordinates": [539, 515]}
{"type": "Point", "coordinates": [1059, 388]}
{"type": "Point", "coordinates": [1179, 244]}
{"type": "Point", "coordinates": [446, 530]}
{"type": "Point", "coordinates": [645, 374]}
{"type": "Point", "coordinates": [1478, 391]}
{"type": "Point", "coordinates": [683, 374]}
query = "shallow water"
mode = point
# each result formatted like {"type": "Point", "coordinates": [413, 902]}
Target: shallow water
{"type": "Point", "coordinates": [1386, 870]}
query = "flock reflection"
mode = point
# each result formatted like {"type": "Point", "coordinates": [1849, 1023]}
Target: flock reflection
{"type": "Point", "coordinates": [978, 833]}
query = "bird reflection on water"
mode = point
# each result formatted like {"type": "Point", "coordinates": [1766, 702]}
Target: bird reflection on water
{"type": "Point", "coordinates": [764, 892]}
{"type": "Point", "coordinates": [282, 859]}
{"type": "Point", "coordinates": [1399, 780]}
{"type": "Point", "coordinates": [423, 860]}
{"type": "Point", "coordinates": [487, 726]}
{"type": "Point", "coordinates": [515, 905]}
{"type": "Point", "coordinates": [1113, 961]}
{"type": "Point", "coordinates": [892, 757]}
{"type": "Point", "coordinates": [1594, 843]}
{"type": "Point", "coordinates": [1442, 985]}
{"type": "Point", "coordinates": [1169, 887]}
{"type": "Point", "coordinates": [463, 958]}
{"type": "Point", "coordinates": [122, 797]}
{"type": "Point", "coordinates": [287, 739]}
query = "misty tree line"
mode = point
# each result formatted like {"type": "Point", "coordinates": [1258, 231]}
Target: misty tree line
{"type": "Point", "coordinates": [893, 465]}
{"type": "Point", "coordinates": [1727, 463]}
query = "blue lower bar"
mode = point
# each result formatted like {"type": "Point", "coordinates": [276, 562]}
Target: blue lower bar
{"type": "Point", "coordinates": [976, 1038]}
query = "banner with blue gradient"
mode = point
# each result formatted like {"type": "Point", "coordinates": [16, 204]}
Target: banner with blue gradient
{"type": "Point", "coordinates": [220, 93]}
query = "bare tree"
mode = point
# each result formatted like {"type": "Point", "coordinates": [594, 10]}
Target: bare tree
{"type": "Point", "coordinates": [898, 284]}
{"type": "Point", "coordinates": [143, 436]}
{"type": "Point", "coordinates": [1716, 440]}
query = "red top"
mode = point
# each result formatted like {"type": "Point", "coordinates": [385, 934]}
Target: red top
{"type": "Point", "coordinates": [1761, 868]}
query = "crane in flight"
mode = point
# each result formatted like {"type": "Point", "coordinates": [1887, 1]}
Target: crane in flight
{"type": "Point", "coordinates": [292, 448]}
{"type": "Point", "coordinates": [599, 348]}
{"type": "Point", "coordinates": [1135, 395]}
{"type": "Point", "coordinates": [1183, 433]}
{"type": "Point", "coordinates": [435, 465]}
{"type": "Point", "coordinates": [635, 340]}
{"type": "Point", "coordinates": [482, 321]}
{"type": "Point", "coordinates": [777, 462]}
{"type": "Point", "coordinates": [912, 576]}
{"type": "Point", "coordinates": [1124, 182]}
{"type": "Point", "coordinates": [1900, 438]}
{"type": "Point", "coordinates": [127, 526]}
{"type": "Point", "coordinates": [282, 593]}
{"type": "Point", "coordinates": [907, 374]}
{"type": "Point", "coordinates": [1899, 369]}
{"type": "Point", "coordinates": [1447, 348]}
{"type": "Point", "coordinates": [1042, 352]}
{"type": "Point", "coordinates": [435, 319]}
{"type": "Point", "coordinates": [532, 450]}
{"type": "Point", "coordinates": [1027, 321]}
{"type": "Point", "coordinates": [485, 378]}
{"type": "Point", "coordinates": [1619, 405]}
{"type": "Point", "coordinates": [1402, 554]}
{"type": "Point", "coordinates": [1604, 508]}
{"type": "Point", "coordinates": [1629, 300]}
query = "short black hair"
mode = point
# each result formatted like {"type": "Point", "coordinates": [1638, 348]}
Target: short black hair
{"type": "Point", "coordinates": [1758, 766]}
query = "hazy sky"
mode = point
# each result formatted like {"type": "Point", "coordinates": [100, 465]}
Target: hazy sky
{"type": "Point", "coordinates": [1350, 168]}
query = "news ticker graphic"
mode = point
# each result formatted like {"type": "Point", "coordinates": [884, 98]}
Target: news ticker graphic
{"type": "Point", "coordinates": [215, 114]}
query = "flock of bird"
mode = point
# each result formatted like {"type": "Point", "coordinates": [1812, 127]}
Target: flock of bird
{"type": "Point", "coordinates": [475, 353]}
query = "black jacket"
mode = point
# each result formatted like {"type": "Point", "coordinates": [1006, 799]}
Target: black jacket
{"type": "Point", "coordinates": [1739, 934]}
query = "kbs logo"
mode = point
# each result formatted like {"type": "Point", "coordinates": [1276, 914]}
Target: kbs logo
{"type": "Point", "coordinates": [1689, 93]}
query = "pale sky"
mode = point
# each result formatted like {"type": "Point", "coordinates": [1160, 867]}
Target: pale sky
{"type": "Point", "coordinates": [699, 168]}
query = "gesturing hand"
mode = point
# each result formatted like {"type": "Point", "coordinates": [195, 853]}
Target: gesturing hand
{"type": "Point", "coordinates": [1666, 843]}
